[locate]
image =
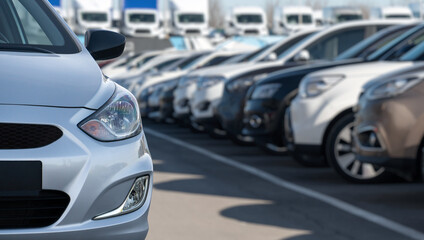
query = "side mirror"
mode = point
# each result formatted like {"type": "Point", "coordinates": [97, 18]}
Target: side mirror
{"type": "Point", "coordinates": [104, 45]}
{"type": "Point", "coordinates": [282, 25]}
{"type": "Point", "coordinates": [302, 56]}
{"type": "Point", "coordinates": [271, 57]}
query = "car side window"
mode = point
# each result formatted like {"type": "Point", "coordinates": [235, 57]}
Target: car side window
{"type": "Point", "coordinates": [331, 46]}
{"type": "Point", "coordinates": [289, 44]}
{"type": "Point", "coordinates": [33, 31]}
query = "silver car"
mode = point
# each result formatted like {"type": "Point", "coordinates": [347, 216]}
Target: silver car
{"type": "Point", "coordinates": [74, 162]}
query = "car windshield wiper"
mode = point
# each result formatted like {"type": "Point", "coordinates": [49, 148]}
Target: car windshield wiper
{"type": "Point", "coordinates": [24, 48]}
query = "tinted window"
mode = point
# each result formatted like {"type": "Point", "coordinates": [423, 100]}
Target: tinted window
{"type": "Point", "coordinates": [249, 18]}
{"type": "Point", "coordinates": [216, 61]}
{"type": "Point", "coordinates": [306, 18]}
{"type": "Point", "coordinates": [398, 16]}
{"type": "Point", "coordinates": [94, 17]}
{"type": "Point", "coordinates": [165, 64]}
{"type": "Point", "coordinates": [348, 17]}
{"type": "Point", "coordinates": [191, 18]}
{"type": "Point", "coordinates": [292, 19]}
{"type": "Point", "coordinates": [415, 54]}
{"type": "Point", "coordinates": [293, 47]}
{"type": "Point", "coordinates": [331, 46]}
{"type": "Point", "coordinates": [289, 44]}
{"type": "Point", "coordinates": [142, 18]}
{"type": "Point", "coordinates": [416, 31]}
{"type": "Point", "coordinates": [373, 43]}
{"type": "Point", "coordinates": [405, 47]}
{"type": "Point", "coordinates": [30, 23]}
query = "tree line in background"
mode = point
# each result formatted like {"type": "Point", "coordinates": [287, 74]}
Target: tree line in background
{"type": "Point", "coordinates": [218, 15]}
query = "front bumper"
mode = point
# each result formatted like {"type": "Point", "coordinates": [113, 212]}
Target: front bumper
{"type": "Point", "coordinates": [205, 101]}
{"type": "Point", "coordinates": [263, 120]}
{"type": "Point", "coordinates": [182, 97]}
{"type": "Point", "coordinates": [97, 176]}
{"type": "Point", "coordinates": [388, 132]}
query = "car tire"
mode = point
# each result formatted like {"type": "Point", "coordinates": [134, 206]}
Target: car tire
{"type": "Point", "coordinates": [271, 149]}
{"type": "Point", "coordinates": [216, 133]}
{"type": "Point", "coordinates": [195, 127]}
{"type": "Point", "coordinates": [241, 140]}
{"type": "Point", "coordinates": [310, 161]}
{"type": "Point", "coordinates": [338, 151]}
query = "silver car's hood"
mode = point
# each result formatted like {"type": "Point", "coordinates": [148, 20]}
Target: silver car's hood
{"type": "Point", "coordinates": [68, 80]}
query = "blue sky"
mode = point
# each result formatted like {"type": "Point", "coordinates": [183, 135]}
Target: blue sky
{"type": "Point", "coordinates": [228, 4]}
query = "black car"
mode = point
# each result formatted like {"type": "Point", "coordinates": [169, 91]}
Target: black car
{"type": "Point", "coordinates": [260, 120]}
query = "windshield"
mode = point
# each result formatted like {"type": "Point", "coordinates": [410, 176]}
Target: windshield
{"type": "Point", "coordinates": [415, 54]}
{"type": "Point", "coordinates": [192, 61]}
{"type": "Point", "coordinates": [377, 54]}
{"type": "Point", "coordinates": [295, 19]}
{"type": "Point", "coordinates": [29, 25]}
{"type": "Point", "coordinates": [94, 17]}
{"type": "Point", "coordinates": [348, 17]}
{"type": "Point", "coordinates": [249, 18]}
{"type": "Point", "coordinates": [143, 61]}
{"type": "Point", "coordinates": [191, 18]}
{"type": "Point", "coordinates": [234, 59]}
{"type": "Point", "coordinates": [398, 16]}
{"type": "Point", "coordinates": [258, 53]}
{"type": "Point", "coordinates": [142, 18]}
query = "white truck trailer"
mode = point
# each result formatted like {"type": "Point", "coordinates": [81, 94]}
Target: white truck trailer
{"type": "Point", "coordinates": [247, 21]}
{"type": "Point", "coordinates": [334, 15]}
{"type": "Point", "coordinates": [189, 17]}
{"type": "Point", "coordinates": [91, 14]}
{"type": "Point", "coordinates": [401, 13]}
{"type": "Point", "coordinates": [292, 19]}
{"type": "Point", "coordinates": [141, 18]}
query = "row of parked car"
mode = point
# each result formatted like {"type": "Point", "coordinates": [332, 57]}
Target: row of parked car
{"type": "Point", "coordinates": [347, 96]}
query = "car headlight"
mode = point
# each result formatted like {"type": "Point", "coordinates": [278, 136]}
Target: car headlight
{"type": "Point", "coordinates": [245, 82]}
{"type": "Point", "coordinates": [208, 82]}
{"type": "Point", "coordinates": [118, 119]}
{"type": "Point", "coordinates": [392, 88]}
{"type": "Point", "coordinates": [315, 86]}
{"type": "Point", "coordinates": [186, 81]}
{"type": "Point", "coordinates": [265, 91]}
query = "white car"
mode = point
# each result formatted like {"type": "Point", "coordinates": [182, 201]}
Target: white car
{"type": "Point", "coordinates": [323, 45]}
{"type": "Point", "coordinates": [121, 67]}
{"type": "Point", "coordinates": [74, 161]}
{"type": "Point", "coordinates": [321, 116]}
{"type": "Point", "coordinates": [199, 60]}
{"type": "Point", "coordinates": [131, 78]}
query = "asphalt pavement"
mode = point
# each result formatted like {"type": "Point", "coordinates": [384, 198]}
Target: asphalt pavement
{"type": "Point", "coordinates": [212, 189]}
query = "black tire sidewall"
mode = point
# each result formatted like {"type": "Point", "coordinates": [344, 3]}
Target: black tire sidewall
{"type": "Point", "coordinates": [330, 144]}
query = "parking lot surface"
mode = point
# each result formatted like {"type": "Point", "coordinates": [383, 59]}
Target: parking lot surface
{"type": "Point", "coordinates": [198, 195]}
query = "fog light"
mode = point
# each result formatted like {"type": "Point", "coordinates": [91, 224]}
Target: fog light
{"type": "Point", "coordinates": [255, 121]}
{"type": "Point", "coordinates": [369, 139]}
{"type": "Point", "coordinates": [134, 201]}
{"type": "Point", "coordinates": [372, 140]}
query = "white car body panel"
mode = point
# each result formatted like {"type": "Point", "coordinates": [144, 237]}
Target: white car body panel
{"type": "Point", "coordinates": [310, 117]}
